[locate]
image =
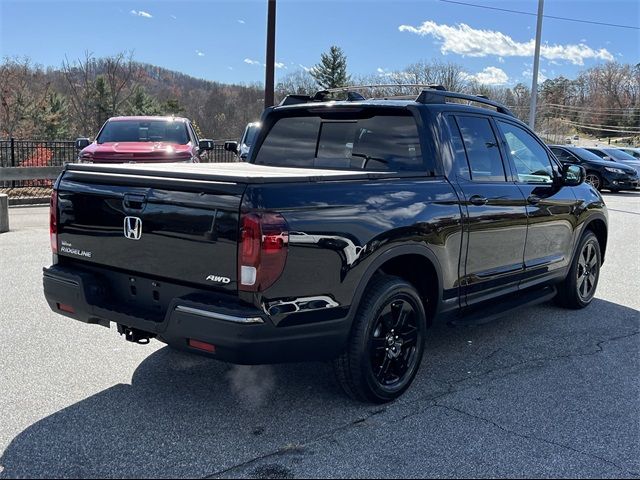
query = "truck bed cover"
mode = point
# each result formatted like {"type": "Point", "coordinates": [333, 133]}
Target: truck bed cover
{"type": "Point", "coordinates": [237, 172]}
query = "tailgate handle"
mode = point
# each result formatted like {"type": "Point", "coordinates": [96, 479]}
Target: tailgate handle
{"type": "Point", "coordinates": [134, 202]}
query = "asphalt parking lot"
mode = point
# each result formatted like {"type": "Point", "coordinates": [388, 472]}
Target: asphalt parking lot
{"type": "Point", "coordinates": [545, 392]}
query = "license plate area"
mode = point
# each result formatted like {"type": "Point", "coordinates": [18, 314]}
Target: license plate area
{"type": "Point", "coordinates": [137, 296]}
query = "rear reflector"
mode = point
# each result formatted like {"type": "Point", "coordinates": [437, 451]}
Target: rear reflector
{"type": "Point", "coordinates": [66, 308]}
{"type": "Point", "coordinates": [207, 347]}
{"type": "Point", "coordinates": [53, 222]}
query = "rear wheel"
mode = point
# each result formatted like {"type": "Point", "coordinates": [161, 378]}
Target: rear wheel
{"type": "Point", "coordinates": [594, 179]}
{"type": "Point", "coordinates": [579, 287]}
{"type": "Point", "coordinates": [386, 343]}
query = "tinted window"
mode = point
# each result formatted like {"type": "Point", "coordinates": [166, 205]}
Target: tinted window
{"type": "Point", "coordinates": [460, 164]}
{"type": "Point", "coordinates": [144, 131]}
{"type": "Point", "coordinates": [250, 135]}
{"type": "Point", "coordinates": [530, 158]}
{"type": "Point", "coordinates": [597, 152]}
{"type": "Point", "coordinates": [563, 155]}
{"type": "Point", "coordinates": [383, 143]}
{"type": "Point", "coordinates": [586, 155]}
{"type": "Point", "coordinates": [482, 149]}
{"type": "Point", "coordinates": [618, 154]}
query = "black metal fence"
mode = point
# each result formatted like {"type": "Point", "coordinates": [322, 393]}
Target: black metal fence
{"type": "Point", "coordinates": [32, 153]}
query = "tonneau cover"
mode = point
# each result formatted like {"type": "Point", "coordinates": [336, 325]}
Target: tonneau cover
{"type": "Point", "coordinates": [237, 172]}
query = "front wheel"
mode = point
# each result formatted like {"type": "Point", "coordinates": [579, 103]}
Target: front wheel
{"type": "Point", "coordinates": [386, 343]}
{"type": "Point", "coordinates": [579, 287]}
{"type": "Point", "coordinates": [594, 179]}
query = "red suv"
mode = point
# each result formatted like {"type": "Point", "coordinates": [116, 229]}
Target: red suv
{"type": "Point", "coordinates": [143, 140]}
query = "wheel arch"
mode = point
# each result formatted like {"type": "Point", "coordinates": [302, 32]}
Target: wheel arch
{"type": "Point", "coordinates": [599, 227]}
{"type": "Point", "coordinates": [396, 261]}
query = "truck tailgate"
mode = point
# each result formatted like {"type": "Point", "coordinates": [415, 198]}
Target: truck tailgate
{"type": "Point", "coordinates": [179, 229]}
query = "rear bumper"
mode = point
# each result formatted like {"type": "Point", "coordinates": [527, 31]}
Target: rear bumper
{"type": "Point", "coordinates": [241, 333]}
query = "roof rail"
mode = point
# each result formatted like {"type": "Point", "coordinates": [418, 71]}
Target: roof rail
{"type": "Point", "coordinates": [320, 96]}
{"type": "Point", "coordinates": [385, 85]}
{"type": "Point", "coordinates": [438, 96]}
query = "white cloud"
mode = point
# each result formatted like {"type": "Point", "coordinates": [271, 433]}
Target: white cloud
{"type": "Point", "coordinates": [464, 40]}
{"type": "Point", "coordinates": [490, 76]}
{"type": "Point", "coordinates": [305, 68]}
{"type": "Point", "coordinates": [257, 62]}
{"type": "Point", "coordinates": [229, 67]}
{"type": "Point", "coordinates": [241, 21]}
{"type": "Point", "coordinates": [174, 17]}
{"type": "Point", "coordinates": [141, 13]}
{"type": "Point", "coordinates": [199, 53]}
{"type": "Point", "coordinates": [500, 59]}
{"type": "Point", "coordinates": [528, 73]}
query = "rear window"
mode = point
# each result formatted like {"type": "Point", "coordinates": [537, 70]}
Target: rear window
{"type": "Point", "coordinates": [144, 131]}
{"type": "Point", "coordinates": [380, 143]}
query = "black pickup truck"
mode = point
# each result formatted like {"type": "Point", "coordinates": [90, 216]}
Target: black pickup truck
{"type": "Point", "coordinates": [353, 226]}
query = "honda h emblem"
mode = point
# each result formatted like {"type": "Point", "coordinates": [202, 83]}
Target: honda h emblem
{"type": "Point", "coordinates": [132, 228]}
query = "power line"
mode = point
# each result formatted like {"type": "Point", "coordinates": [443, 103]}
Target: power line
{"type": "Point", "coordinates": [601, 125]}
{"type": "Point", "coordinates": [586, 127]}
{"type": "Point", "coordinates": [545, 16]}
{"type": "Point", "coordinates": [597, 113]}
{"type": "Point", "coordinates": [575, 107]}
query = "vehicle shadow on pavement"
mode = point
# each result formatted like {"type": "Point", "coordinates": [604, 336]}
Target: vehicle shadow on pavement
{"type": "Point", "coordinates": [185, 415]}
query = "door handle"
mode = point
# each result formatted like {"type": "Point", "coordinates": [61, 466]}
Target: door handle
{"type": "Point", "coordinates": [478, 200]}
{"type": "Point", "coordinates": [134, 202]}
{"type": "Point", "coordinates": [533, 199]}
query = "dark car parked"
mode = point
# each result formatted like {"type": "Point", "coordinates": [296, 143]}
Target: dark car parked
{"type": "Point", "coordinates": [599, 172]}
{"type": "Point", "coordinates": [616, 155]}
{"type": "Point", "coordinates": [352, 227]}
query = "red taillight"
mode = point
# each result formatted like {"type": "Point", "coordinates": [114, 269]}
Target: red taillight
{"type": "Point", "coordinates": [53, 222]}
{"type": "Point", "coordinates": [262, 250]}
{"type": "Point", "coordinates": [66, 308]}
{"type": "Point", "coordinates": [207, 347]}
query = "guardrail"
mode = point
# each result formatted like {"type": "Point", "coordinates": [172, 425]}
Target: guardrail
{"type": "Point", "coordinates": [35, 163]}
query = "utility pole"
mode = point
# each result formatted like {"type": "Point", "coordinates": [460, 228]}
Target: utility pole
{"type": "Point", "coordinates": [536, 65]}
{"type": "Point", "coordinates": [269, 77]}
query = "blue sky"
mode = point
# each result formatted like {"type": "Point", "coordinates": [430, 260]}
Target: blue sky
{"type": "Point", "coordinates": [224, 40]}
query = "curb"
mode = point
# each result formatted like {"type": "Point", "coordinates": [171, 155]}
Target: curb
{"type": "Point", "coordinates": [29, 201]}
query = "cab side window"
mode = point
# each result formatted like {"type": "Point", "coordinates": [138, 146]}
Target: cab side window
{"type": "Point", "coordinates": [563, 155]}
{"type": "Point", "coordinates": [529, 157]}
{"type": "Point", "coordinates": [481, 145]}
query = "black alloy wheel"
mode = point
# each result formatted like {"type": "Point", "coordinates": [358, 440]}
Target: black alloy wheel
{"type": "Point", "coordinates": [579, 286]}
{"type": "Point", "coordinates": [386, 344]}
{"type": "Point", "coordinates": [393, 344]}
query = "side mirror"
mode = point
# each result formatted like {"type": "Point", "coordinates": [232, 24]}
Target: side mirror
{"type": "Point", "coordinates": [573, 175]}
{"type": "Point", "coordinates": [231, 147]}
{"type": "Point", "coordinates": [205, 145]}
{"type": "Point", "coordinates": [82, 143]}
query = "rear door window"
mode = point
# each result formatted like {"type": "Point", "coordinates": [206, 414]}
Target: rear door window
{"type": "Point", "coordinates": [379, 143]}
{"type": "Point", "coordinates": [482, 149]}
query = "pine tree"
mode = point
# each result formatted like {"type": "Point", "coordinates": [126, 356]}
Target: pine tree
{"type": "Point", "coordinates": [331, 72]}
{"type": "Point", "coordinates": [141, 103]}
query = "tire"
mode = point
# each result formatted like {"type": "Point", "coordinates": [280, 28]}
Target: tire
{"type": "Point", "coordinates": [595, 180]}
{"type": "Point", "coordinates": [377, 366]}
{"type": "Point", "coordinates": [585, 269]}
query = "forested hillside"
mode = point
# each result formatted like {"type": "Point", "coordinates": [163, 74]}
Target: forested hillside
{"type": "Point", "coordinates": [75, 99]}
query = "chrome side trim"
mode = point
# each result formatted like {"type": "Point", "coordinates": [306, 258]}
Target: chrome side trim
{"type": "Point", "coordinates": [303, 304]}
{"type": "Point", "coordinates": [217, 316]}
